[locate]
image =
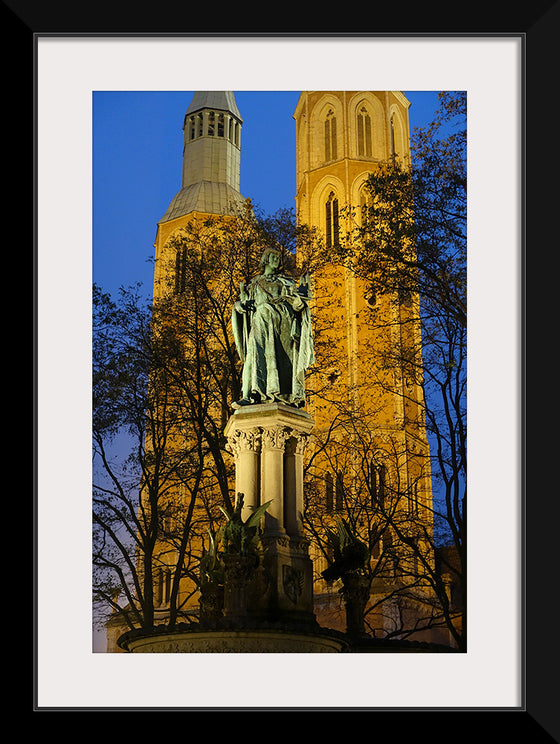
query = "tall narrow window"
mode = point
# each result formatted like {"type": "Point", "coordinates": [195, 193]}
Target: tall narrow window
{"type": "Point", "coordinates": [200, 122]}
{"type": "Point", "coordinates": [364, 132]}
{"type": "Point", "coordinates": [377, 485]}
{"type": "Point", "coordinates": [330, 136]}
{"type": "Point", "coordinates": [167, 584]}
{"type": "Point", "coordinates": [329, 491]}
{"type": "Point", "coordinates": [373, 483]}
{"type": "Point", "coordinates": [192, 129]}
{"type": "Point", "coordinates": [392, 128]}
{"type": "Point", "coordinates": [331, 221]}
{"type": "Point", "coordinates": [220, 125]}
{"type": "Point", "coordinates": [211, 120]}
{"type": "Point", "coordinates": [381, 486]}
{"type": "Point", "coordinates": [180, 270]}
{"type": "Point", "coordinates": [158, 582]}
{"type": "Point", "coordinates": [414, 504]}
{"type": "Point", "coordinates": [339, 492]}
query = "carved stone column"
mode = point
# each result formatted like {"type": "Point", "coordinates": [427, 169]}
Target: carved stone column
{"type": "Point", "coordinates": [273, 441]}
{"type": "Point", "coordinates": [282, 434]}
{"type": "Point", "coordinates": [293, 487]}
{"type": "Point", "coordinates": [245, 445]}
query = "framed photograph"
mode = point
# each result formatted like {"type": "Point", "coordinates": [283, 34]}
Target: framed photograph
{"type": "Point", "coordinates": [69, 70]}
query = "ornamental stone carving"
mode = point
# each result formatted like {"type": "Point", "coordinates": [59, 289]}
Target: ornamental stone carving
{"type": "Point", "coordinates": [275, 437]}
{"type": "Point", "coordinates": [268, 442]}
{"type": "Point", "coordinates": [244, 440]}
{"type": "Point", "coordinates": [293, 581]}
{"type": "Point", "coordinates": [297, 444]}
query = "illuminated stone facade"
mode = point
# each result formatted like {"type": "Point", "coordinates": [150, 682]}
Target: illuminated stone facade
{"type": "Point", "coordinates": [367, 404]}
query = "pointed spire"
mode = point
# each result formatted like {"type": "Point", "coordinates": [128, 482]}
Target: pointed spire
{"type": "Point", "coordinates": [219, 100]}
{"type": "Point", "coordinates": [211, 157]}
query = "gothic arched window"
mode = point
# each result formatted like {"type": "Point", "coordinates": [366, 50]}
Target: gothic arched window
{"type": "Point", "coordinates": [364, 132]}
{"type": "Point", "coordinates": [331, 220]}
{"type": "Point", "coordinates": [330, 136]}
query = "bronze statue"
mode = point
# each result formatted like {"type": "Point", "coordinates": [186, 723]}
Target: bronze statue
{"type": "Point", "coordinates": [272, 330]}
{"type": "Point", "coordinates": [350, 554]}
{"type": "Point", "coordinates": [238, 536]}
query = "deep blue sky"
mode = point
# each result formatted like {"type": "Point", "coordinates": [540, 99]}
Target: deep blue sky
{"type": "Point", "coordinates": [137, 162]}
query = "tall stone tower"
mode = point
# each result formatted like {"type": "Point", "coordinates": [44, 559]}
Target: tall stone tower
{"type": "Point", "coordinates": [209, 193]}
{"type": "Point", "coordinates": [371, 450]}
{"type": "Point", "coordinates": [210, 174]}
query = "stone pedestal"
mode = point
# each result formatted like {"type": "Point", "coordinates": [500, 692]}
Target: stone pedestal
{"type": "Point", "coordinates": [211, 603]}
{"type": "Point", "coordinates": [238, 573]}
{"type": "Point", "coordinates": [268, 442]}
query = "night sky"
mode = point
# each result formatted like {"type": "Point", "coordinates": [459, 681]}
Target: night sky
{"type": "Point", "coordinates": [137, 163]}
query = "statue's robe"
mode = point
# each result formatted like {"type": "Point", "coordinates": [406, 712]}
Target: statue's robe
{"type": "Point", "coordinates": [274, 341]}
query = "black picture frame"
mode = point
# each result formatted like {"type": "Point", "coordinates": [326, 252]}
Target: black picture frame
{"type": "Point", "coordinates": [538, 26]}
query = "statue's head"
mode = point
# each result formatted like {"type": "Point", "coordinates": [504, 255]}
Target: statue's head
{"type": "Point", "coordinates": [272, 257]}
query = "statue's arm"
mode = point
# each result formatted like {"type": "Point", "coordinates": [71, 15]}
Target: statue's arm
{"type": "Point", "coordinates": [245, 303]}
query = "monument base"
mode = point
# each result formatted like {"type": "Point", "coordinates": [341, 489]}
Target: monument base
{"type": "Point", "coordinates": [268, 442]}
{"type": "Point", "coordinates": [268, 638]}
{"type": "Point", "coordinates": [289, 571]}
{"type": "Point", "coordinates": [259, 639]}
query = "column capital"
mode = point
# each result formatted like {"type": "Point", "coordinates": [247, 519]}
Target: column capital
{"type": "Point", "coordinates": [275, 437]}
{"type": "Point", "coordinates": [244, 440]}
{"type": "Point", "coordinates": [297, 443]}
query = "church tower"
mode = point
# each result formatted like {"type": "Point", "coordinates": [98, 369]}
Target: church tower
{"type": "Point", "coordinates": [341, 135]}
{"type": "Point", "coordinates": [371, 464]}
{"type": "Point", "coordinates": [199, 214]}
{"type": "Point", "coordinates": [210, 173]}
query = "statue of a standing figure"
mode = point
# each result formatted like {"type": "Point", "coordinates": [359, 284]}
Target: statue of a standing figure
{"type": "Point", "coordinates": [272, 330]}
